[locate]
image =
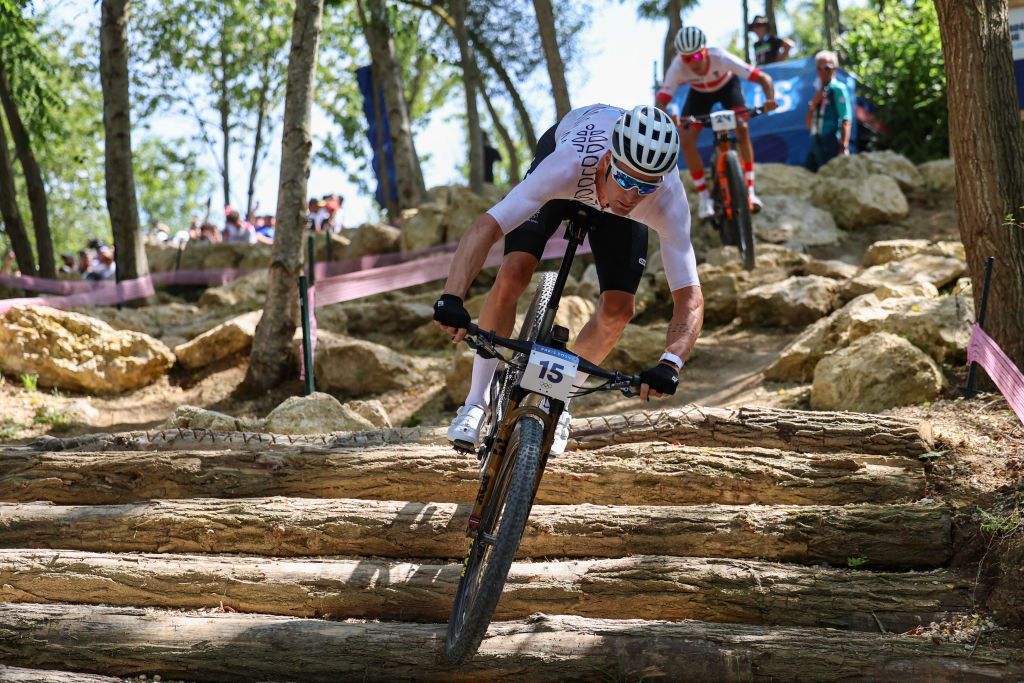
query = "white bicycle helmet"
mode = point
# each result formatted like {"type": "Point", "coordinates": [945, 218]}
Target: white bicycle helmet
{"type": "Point", "coordinates": [690, 40]}
{"type": "Point", "coordinates": [646, 139]}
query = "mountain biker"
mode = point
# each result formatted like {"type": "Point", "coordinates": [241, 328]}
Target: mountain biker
{"type": "Point", "coordinates": [714, 76]}
{"type": "Point", "coordinates": [619, 168]}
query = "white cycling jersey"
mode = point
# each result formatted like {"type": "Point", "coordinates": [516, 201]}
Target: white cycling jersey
{"type": "Point", "coordinates": [570, 172]}
{"type": "Point", "coordinates": [722, 69]}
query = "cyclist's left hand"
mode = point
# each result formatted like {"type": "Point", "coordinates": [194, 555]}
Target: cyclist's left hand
{"type": "Point", "coordinates": [771, 105]}
{"type": "Point", "coordinates": [659, 381]}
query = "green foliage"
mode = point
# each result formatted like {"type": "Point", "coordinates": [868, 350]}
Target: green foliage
{"type": "Point", "coordinates": [55, 418]}
{"type": "Point", "coordinates": [896, 53]}
{"type": "Point", "coordinates": [855, 562]}
{"type": "Point", "coordinates": [30, 382]}
{"type": "Point", "coordinates": [170, 183]}
{"type": "Point", "coordinates": [31, 70]}
{"type": "Point", "coordinates": [8, 427]}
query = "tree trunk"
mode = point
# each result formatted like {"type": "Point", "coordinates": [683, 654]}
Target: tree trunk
{"type": "Point", "coordinates": [891, 536]}
{"type": "Point", "coordinates": [769, 14]}
{"type": "Point", "coordinates": [470, 84]}
{"type": "Point", "coordinates": [247, 647]}
{"type": "Point", "coordinates": [33, 180]}
{"type": "Point", "coordinates": [120, 182]}
{"type": "Point", "coordinates": [408, 175]}
{"type": "Point", "coordinates": [13, 674]}
{"type": "Point", "coordinates": [224, 110]}
{"type": "Point", "coordinates": [643, 587]}
{"type": "Point", "coordinates": [506, 140]}
{"type": "Point", "coordinates": [645, 474]}
{"type": "Point", "coordinates": [271, 361]}
{"type": "Point", "coordinates": [14, 226]}
{"type": "Point", "coordinates": [746, 33]}
{"type": "Point", "coordinates": [831, 16]}
{"type": "Point", "coordinates": [556, 68]}
{"type": "Point", "coordinates": [675, 22]}
{"type": "Point", "coordinates": [987, 143]}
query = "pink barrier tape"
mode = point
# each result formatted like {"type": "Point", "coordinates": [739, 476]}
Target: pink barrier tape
{"type": "Point", "coordinates": [983, 350]}
{"type": "Point", "coordinates": [105, 296]}
{"type": "Point", "coordinates": [48, 286]}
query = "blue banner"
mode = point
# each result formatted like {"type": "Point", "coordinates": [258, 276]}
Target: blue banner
{"type": "Point", "coordinates": [781, 136]}
{"type": "Point", "coordinates": [364, 76]}
{"type": "Point", "coordinates": [1017, 41]}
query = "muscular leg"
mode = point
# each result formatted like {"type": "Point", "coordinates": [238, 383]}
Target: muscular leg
{"type": "Point", "coordinates": [688, 141]}
{"type": "Point", "coordinates": [743, 138]}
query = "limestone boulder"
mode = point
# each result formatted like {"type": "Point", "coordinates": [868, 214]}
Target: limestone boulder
{"type": "Point", "coordinates": [354, 367]}
{"type": "Point", "coordinates": [248, 292]}
{"type": "Point", "coordinates": [939, 326]}
{"type": "Point", "coordinates": [374, 238]}
{"type": "Point", "coordinates": [637, 349]}
{"type": "Point", "coordinates": [423, 226]}
{"type": "Point", "coordinates": [459, 375]}
{"type": "Point", "coordinates": [384, 317]}
{"type": "Point", "coordinates": [194, 417]}
{"type": "Point", "coordinates": [373, 411]}
{"type": "Point", "coordinates": [464, 207]}
{"type": "Point", "coordinates": [936, 270]}
{"type": "Point", "coordinates": [952, 249]}
{"type": "Point", "coordinates": [340, 246]}
{"type": "Point", "coordinates": [938, 175]}
{"type": "Point", "coordinates": [925, 289]}
{"type": "Point", "coordinates": [866, 164]}
{"type": "Point", "coordinates": [74, 352]}
{"type": "Point", "coordinates": [767, 256]}
{"type": "Point", "coordinates": [573, 313]}
{"type": "Point", "coordinates": [855, 203]}
{"type": "Point", "coordinates": [784, 179]}
{"type": "Point", "coordinates": [157, 321]}
{"type": "Point", "coordinates": [317, 413]}
{"type": "Point", "coordinates": [886, 251]}
{"type": "Point", "coordinates": [837, 270]}
{"type": "Point", "coordinates": [874, 373]}
{"type": "Point", "coordinates": [721, 293]}
{"type": "Point", "coordinates": [795, 223]}
{"type": "Point", "coordinates": [590, 286]}
{"type": "Point", "coordinates": [796, 301]}
{"type": "Point", "coordinates": [223, 341]}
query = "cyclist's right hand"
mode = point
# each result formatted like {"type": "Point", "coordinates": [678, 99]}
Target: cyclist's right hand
{"type": "Point", "coordinates": [451, 316]}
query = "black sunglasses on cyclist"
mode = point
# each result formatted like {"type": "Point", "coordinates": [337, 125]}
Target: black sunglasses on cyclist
{"type": "Point", "coordinates": [628, 182]}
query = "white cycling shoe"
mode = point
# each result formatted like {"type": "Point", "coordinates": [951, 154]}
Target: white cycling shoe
{"type": "Point", "coordinates": [705, 206]}
{"type": "Point", "coordinates": [465, 427]}
{"type": "Point", "coordinates": [561, 439]}
{"type": "Point", "coordinates": [755, 202]}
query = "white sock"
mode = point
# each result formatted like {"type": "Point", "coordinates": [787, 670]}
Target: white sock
{"type": "Point", "coordinates": [483, 372]}
{"type": "Point", "coordinates": [705, 194]}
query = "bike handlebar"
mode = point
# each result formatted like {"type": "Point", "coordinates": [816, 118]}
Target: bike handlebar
{"type": "Point", "coordinates": [705, 119]}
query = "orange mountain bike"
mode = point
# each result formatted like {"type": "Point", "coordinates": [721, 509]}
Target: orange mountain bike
{"type": "Point", "coordinates": [728, 184]}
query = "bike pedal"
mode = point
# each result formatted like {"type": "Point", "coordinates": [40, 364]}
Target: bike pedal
{"type": "Point", "coordinates": [464, 447]}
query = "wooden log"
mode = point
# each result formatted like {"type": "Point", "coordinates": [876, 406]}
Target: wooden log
{"type": "Point", "coordinates": [791, 430]}
{"type": "Point", "coordinates": [631, 474]}
{"type": "Point", "coordinates": [249, 647]}
{"type": "Point", "coordinates": [897, 536]}
{"type": "Point", "coordinates": [13, 674]}
{"type": "Point", "coordinates": [643, 587]}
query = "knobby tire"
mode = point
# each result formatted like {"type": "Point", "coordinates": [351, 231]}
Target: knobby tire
{"type": "Point", "coordinates": [739, 228]}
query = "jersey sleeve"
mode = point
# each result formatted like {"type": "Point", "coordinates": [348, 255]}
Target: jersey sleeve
{"type": "Point", "coordinates": [736, 65]}
{"type": "Point", "coordinates": [842, 100]}
{"type": "Point", "coordinates": [547, 181]}
{"type": "Point", "coordinates": [670, 218]}
{"type": "Point", "coordinates": [673, 77]}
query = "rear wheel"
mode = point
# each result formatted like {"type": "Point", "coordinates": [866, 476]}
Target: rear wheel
{"type": "Point", "coordinates": [486, 567]}
{"type": "Point", "coordinates": [739, 226]}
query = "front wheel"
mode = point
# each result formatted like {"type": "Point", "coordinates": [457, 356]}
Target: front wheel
{"type": "Point", "coordinates": [502, 523]}
{"type": "Point", "coordinates": [739, 227]}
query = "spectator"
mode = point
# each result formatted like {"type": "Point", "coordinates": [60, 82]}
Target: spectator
{"type": "Point", "coordinates": [265, 229]}
{"type": "Point", "coordinates": [491, 156]}
{"type": "Point", "coordinates": [768, 49]}
{"type": "Point", "coordinates": [67, 266]}
{"type": "Point", "coordinates": [829, 115]}
{"type": "Point", "coordinates": [329, 213]}
{"type": "Point", "coordinates": [232, 226]}
{"type": "Point", "coordinates": [209, 233]}
{"type": "Point", "coordinates": [104, 268]}
{"type": "Point", "coordinates": [313, 218]}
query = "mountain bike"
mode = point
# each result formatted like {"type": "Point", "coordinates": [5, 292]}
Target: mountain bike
{"type": "Point", "coordinates": [728, 184]}
{"type": "Point", "coordinates": [527, 396]}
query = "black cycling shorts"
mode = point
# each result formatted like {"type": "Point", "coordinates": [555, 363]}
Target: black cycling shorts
{"type": "Point", "coordinates": [619, 244]}
{"type": "Point", "coordinates": [730, 95]}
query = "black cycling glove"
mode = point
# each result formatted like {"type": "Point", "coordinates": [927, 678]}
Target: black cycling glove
{"type": "Point", "coordinates": [449, 311]}
{"type": "Point", "coordinates": [661, 378]}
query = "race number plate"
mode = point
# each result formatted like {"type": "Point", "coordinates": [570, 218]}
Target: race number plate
{"type": "Point", "coordinates": [550, 372]}
{"type": "Point", "coordinates": [723, 120]}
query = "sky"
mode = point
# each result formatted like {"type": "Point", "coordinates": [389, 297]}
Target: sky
{"type": "Point", "coordinates": [616, 67]}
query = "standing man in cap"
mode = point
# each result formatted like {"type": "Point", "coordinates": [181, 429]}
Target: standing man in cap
{"type": "Point", "coordinates": [768, 48]}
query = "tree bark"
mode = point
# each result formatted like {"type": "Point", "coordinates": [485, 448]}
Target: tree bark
{"type": "Point", "coordinates": [769, 14]}
{"type": "Point", "coordinates": [224, 111]}
{"type": "Point", "coordinates": [120, 181]}
{"type": "Point", "coordinates": [746, 33]}
{"type": "Point", "coordinates": [675, 22]}
{"type": "Point", "coordinates": [645, 474]}
{"type": "Point", "coordinates": [831, 15]}
{"type": "Point", "coordinates": [408, 175]}
{"type": "Point", "coordinates": [987, 143]}
{"type": "Point", "coordinates": [13, 674]}
{"type": "Point", "coordinates": [247, 647]}
{"type": "Point", "coordinates": [470, 84]}
{"type": "Point", "coordinates": [888, 536]}
{"type": "Point", "coordinates": [552, 56]}
{"type": "Point", "coordinates": [514, 171]}
{"type": "Point", "coordinates": [34, 184]}
{"type": "Point", "coordinates": [271, 360]}
{"type": "Point", "coordinates": [14, 226]}
{"type": "Point", "coordinates": [643, 587]}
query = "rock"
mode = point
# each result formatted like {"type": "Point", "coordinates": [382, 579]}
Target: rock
{"type": "Point", "coordinates": [721, 292]}
{"type": "Point", "coordinates": [963, 288]}
{"type": "Point", "coordinates": [332, 318]}
{"type": "Point", "coordinates": [374, 238]}
{"type": "Point", "coordinates": [193, 417]}
{"type": "Point", "coordinates": [837, 270]}
{"type": "Point", "coordinates": [74, 352]}
{"type": "Point", "coordinates": [797, 361]}
{"type": "Point", "coordinates": [464, 207]}
{"type": "Point", "coordinates": [358, 368]}
{"type": "Point", "coordinates": [766, 256]}
{"type": "Point", "coordinates": [799, 300]}
{"type": "Point", "coordinates": [459, 375]}
{"type": "Point", "coordinates": [373, 411]}
{"type": "Point", "coordinates": [952, 249]}
{"type": "Point", "coordinates": [637, 349]}
{"type": "Point", "coordinates": [156, 320]}
{"type": "Point", "coordinates": [340, 246]}
{"type": "Point", "coordinates": [938, 175]}
{"type": "Point", "coordinates": [939, 326]}
{"type": "Point", "coordinates": [937, 270]}
{"type": "Point", "coordinates": [573, 313]}
{"type": "Point", "coordinates": [860, 166]}
{"type": "Point", "coordinates": [247, 292]}
{"type": "Point", "coordinates": [423, 226]}
{"type": "Point", "coordinates": [794, 223]}
{"type": "Point", "coordinates": [317, 413]}
{"type": "Point", "coordinates": [589, 286]}
{"type": "Point", "coordinates": [864, 201]}
{"type": "Point", "coordinates": [886, 251]}
{"type": "Point", "coordinates": [384, 317]}
{"type": "Point", "coordinates": [784, 179]}
{"type": "Point", "coordinates": [925, 289]}
{"type": "Point", "coordinates": [223, 341]}
{"type": "Point", "coordinates": [874, 373]}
